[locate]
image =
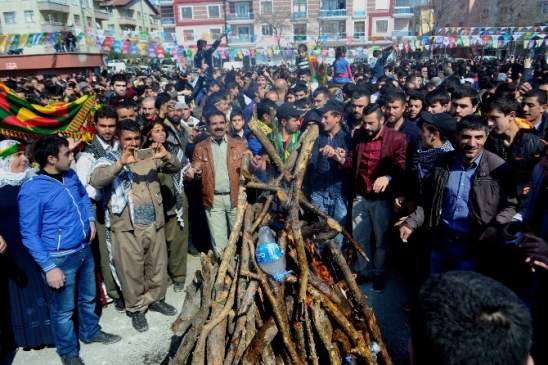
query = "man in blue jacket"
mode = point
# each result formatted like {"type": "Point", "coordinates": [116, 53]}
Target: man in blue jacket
{"type": "Point", "coordinates": [57, 226]}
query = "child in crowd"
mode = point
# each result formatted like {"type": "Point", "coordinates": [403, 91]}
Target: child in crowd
{"type": "Point", "coordinates": [341, 67]}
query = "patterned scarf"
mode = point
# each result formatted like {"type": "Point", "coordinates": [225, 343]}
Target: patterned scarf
{"type": "Point", "coordinates": [178, 179]}
{"type": "Point", "coordinates": [285, 148]}
{"type": "Point", "coordinates": [8, 148]}
{"type": "Point", "coordinates": [121, 185]}
{"type": "Point", "coordinates": [428, 156]}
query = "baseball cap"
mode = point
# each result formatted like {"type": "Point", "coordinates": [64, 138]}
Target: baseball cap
{"type": "Point", "coordinates": [311, 116]}
{"type": "Point", "coordinates": [288, 110]}
{"type": "Point", "coordinates": [446, 124]}
{"type": "Point", "coordinates": [331, 105]}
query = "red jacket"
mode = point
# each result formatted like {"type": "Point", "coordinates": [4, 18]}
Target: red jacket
{"type": "Point", "coordinates": [391, 162]}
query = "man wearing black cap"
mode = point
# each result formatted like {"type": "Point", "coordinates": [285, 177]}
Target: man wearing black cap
{"type": "Point", "coordinates": [325, 180]}
{"type": "Point", "coordinates": [287, 135]}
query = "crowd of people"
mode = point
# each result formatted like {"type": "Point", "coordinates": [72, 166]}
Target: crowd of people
{"type": "Point", "coordinates": [434, 166]}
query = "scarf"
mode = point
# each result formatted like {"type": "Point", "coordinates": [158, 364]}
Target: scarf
{"type": "Point", "coordinates": [178, 180]}
{"type": "Point", "coordinates": [285, 148]}
{"type": "Point", "coordinates": [8, 149]}
{"type": "Point", "coordinates": [121, 185]}
{"type": "Point", "coordinates": [427, 157]}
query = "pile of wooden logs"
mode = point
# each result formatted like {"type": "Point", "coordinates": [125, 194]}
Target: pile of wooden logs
{"type": "Point", "coordinates": [234, 313]}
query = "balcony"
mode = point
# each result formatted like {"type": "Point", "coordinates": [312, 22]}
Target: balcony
{"type": "Point", "coordinates": [333, 13]}
{"type": "Point", "coordinates": [359, 13]}
{"type": "Point", "coordinates": [299, 15]}
{"type": "Point", "coordinates": [127, 21]}
{"type": "Point", "coordinates": [403, 12]}
{"type": "Point", "coordinates": [168, 22]}
{"type": "Point", "coordinates": [61, 6]}
{"type": "Point", "coordinates": [333, 37]}
{"type": "Point", "coordinates": [401, 33]}
{"type": "Point", "coordinates": [51, 26]}
{"type": "Point", "coordinates": [240, 17]}
{"type": "Point", "coordinates": [359, 37]}
{"type": "Point", "coordinates": [165, 2]}
{"type": "Point", "coordinates": [244, 38]}
{"type": "Point", "coordinates": [101, 15]}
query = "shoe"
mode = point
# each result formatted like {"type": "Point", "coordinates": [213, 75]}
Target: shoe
{"type": "Point", "coordinates": [72, 360]}
{"type": "Point", "coordinates": [407, 307]}
{"type": "Point", "coordinates": [362, 279]}
{"type": "Point", "coordinates": [178, 287]}
{"type": "Point", "coordinates": [378, 283]}
{"type": "Point", "coordinates": [193, 251]}
{"type": "Point", "coordinates": [163, 308]}
{"type": "Point", "coordinates": [139, 321]}
{"type": "Point", "coordinates": [119, 305]}
{"type": "Point", "coordinates": [105, 338]}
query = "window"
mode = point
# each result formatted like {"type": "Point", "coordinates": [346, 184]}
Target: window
{"type": "Point", "coordinates": [77, 20]}
{"type": "Point", "coordinates": [88, 21]}
{"type": "Point", "coordinates": [75, 2]}
{"type": "Point", "coordinates": [382, 26]}
{"type": "Point", "coordinates": [266, 29]}
{"type": "Point", "coordinates": [85, 4]}
{"type": "Point", "coordinates": [29, 16]}
{"type": "Point", "coordinates": [299, 30]}
{"type": "Point", "coordinates": [139, 15]}
{"type": "Point", "coordinates": [335, 28]}
{"type": "Point", "coordinates": [110, 12]}
{"type": "Point", "coordinates": [214, 11]}
{"type": "Point", "coordinates": [52, 18]}
{"type": "Point", "coordinates": [359, 29]}
{"type": "Point", "coordinates": [188, 34]}
{"type": "Point", "coordinates": [242, 10]}
{"type": "Point", "coordinates": [299, 8]}
{"type": "Point", "coordinates": [266, 7]}
{"type": "Point", "coordinates": [215, 33]}
{"type": "Point", "coordinates": [186, 12]}
{"type": "Point", "coordinates": [9, 17]}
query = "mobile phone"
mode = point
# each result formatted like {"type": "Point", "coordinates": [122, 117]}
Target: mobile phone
{"type": "Point", "coordinates": [143, 154]}
{"type": "Point", "coordinates": [202, 128]}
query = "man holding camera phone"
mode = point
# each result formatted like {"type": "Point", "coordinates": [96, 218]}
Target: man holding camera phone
{"type": "Point", "coordinates": [138, 239]}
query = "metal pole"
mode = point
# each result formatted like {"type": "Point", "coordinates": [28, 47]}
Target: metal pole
{"type": "Point", "coordinates": [83, 15]}
{"type": "Point", "coordinates": [142, 14]}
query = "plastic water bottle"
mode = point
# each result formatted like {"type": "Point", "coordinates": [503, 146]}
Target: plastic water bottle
{"type": "Point", "coordinates": [348, 361]}
{"type": "Point", "coordinates": [269, 256]}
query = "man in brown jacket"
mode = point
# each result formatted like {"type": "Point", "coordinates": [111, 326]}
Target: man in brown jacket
{"type": "Point", "coordinates": [216, 161]}
{"type": "Point", "coordinates": [136, 218]}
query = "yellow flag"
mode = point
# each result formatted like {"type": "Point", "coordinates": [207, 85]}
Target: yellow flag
{"type": "Point", "coordinates": [23, 40]}
{"type": "Point", "coordinates": [3, 41]}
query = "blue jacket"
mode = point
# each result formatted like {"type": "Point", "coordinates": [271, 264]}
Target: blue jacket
{"type": "Point", "coordinates": [54, 217]}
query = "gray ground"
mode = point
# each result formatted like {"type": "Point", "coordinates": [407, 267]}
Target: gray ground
{"type": "Point", "coordinates": [153, 347]}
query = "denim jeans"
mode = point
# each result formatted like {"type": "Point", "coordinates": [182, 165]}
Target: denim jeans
{"type": "Point", "coordinates": [334, 207]}
{"type": "Point", "coordinates": [448, 256]}
{"type": "Point", "coordinates": [79, 288]}
{"type": "Point", "coordinates": [371, 216]}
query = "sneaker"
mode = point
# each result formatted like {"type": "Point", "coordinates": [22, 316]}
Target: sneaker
{"type": "Point", "coordinates": [72, 360]}
{"type": "Point", "coordinates": [378, 283]}
{"type": "Point", "coordinates": [163, 308]}
{"type": "Point", "coordinates": [119, 305]}
{"type": "Point", "coordinates": [193, 251]}
{"type": "Point", "coordinates": [105, 338]}
{"type": "Point", "coordinates": [362, 279]}
{"type": "Point", "coordinates": [139, 321]}
{"type": "Point", "coordinates": [178, 287]}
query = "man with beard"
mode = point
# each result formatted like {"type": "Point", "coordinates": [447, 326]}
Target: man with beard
{"type": "Point", "coordinates": [360, 99]}
{"type": "Point", "coordinates": [377, 162]}
{"type": "Point", "coordinates": [466, 200]}
{"type": "Point", "coordinates": [148, 111]}
{"type": "Point", "coordinates": [394, 108]}
{"type": "Point", "coordinates": [102, 143]}
{"type": "Point", "coordinates": [214, 159]}
{"type": "Point", "coordinates": [175, 200]}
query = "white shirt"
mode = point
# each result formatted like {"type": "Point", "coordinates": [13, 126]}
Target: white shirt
{"type": "Point", "coordinates": [84, 164]}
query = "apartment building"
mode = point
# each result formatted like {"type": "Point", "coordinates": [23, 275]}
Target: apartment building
{"type": "Point", "coordinates": [264, 23]}
{"type": "Point", "coordinates": [82, 16]}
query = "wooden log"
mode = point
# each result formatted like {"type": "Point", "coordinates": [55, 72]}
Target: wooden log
{"type": "Point", "coordinates": [342, 340]}
{"type": "Point", "coordinates": [322, 327]}
{"type": "Point", "coordinates": [198, 354]}
{"type": "Point", "coordinates": [262, 339]}
{"type": "Point", "coordinates": [359, 298]}
{"type": "Point", "coordinates": [268, 357]}
{"type": "Point", "coordinates": [191, 307]}
{"type": "Point", "coordinates": [310, 336]}
{"type": "Point", "coordinates": [216, 339]}
{"type": "Point", "coordinates": [292, 159]}
{"type": "Point", "coordinates": [209, 272]}
{"type": "Point", "coordinates": [231, 246]}
{"type": "Point", "coordinates": [333, 224]}
{"type": "Point", "coordinates": [267, 145]}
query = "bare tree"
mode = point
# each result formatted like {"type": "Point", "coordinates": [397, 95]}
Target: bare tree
{"type": "Point", "coordinates": [279, 21]}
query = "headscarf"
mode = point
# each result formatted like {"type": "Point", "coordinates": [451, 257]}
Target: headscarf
{"type": "Point", "coordinates": [8, 149]}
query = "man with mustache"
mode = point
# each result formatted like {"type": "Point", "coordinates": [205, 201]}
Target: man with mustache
{"type": "Point", "coordinates": [466, 199]}
{"type": "Point", "coordinates": [216, 158]}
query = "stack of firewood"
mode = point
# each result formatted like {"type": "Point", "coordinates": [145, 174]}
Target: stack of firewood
{"type": "Point", "coordinates": [234, 313]}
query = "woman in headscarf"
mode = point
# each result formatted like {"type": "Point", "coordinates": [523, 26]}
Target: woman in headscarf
{"type": "Point", "coordinates": [23, 290]}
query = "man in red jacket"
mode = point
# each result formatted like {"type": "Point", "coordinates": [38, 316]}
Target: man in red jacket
{"type": "Point", "coordinates": [377, 162]}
